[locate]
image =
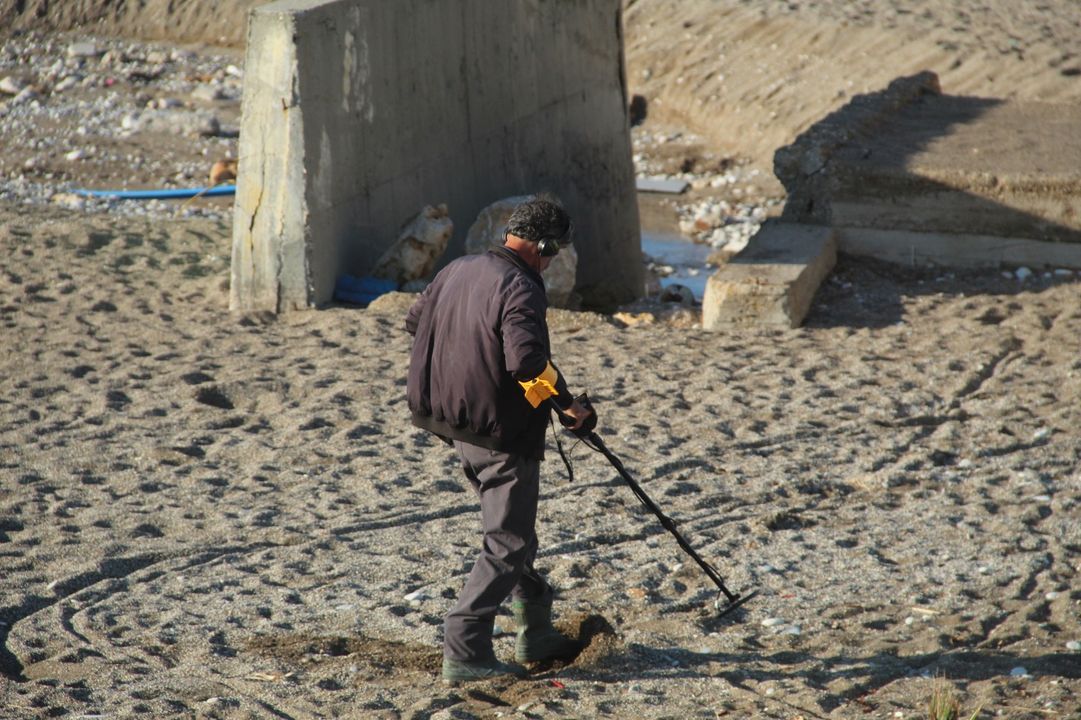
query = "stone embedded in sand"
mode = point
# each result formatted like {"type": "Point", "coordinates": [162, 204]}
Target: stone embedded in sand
{"type": "Point", "coordinates": [772, 622]}
{"type": "Point", "coordinates": [83, 50]}
{"type": "Point", "coordinates": [1073, 645]}
{"type": "Point", "coordinates": [420, 244]}
{"type": "Point", "coordinates": [172, 122]}
{"type": "Point", "coordinates": [11, 85]}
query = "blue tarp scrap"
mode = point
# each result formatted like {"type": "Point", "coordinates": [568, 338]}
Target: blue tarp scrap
{"type": "Point", "coordinates": [362, 290]}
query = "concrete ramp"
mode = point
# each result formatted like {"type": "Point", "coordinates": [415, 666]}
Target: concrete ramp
{"type": "Point", "coordinates": [358, 113]}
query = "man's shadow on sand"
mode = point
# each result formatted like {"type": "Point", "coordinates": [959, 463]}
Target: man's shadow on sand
{"type": "Point", "coordinates": [865, 674]}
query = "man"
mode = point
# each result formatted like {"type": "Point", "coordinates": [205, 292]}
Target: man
{"type": "Point", "coordinates": [481, 376]}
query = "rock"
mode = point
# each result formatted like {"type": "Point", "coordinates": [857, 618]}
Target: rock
{"type": "Point", "coordinates": [173, 122]}
{"type": "Point", "coordinates": [487, 230]}
{"type": "Point", "coordinates": [1073, 646]}
{"type": "Point", "coordinates": [66, 83]}
{"type": "Point", "coordinates": [83, 50]}
{"type": "Point", "coordinates": [209, 93]}
{"type": "Point", "coordinates": [1022, 273]}
{"type": "Point", "coordinates": [25, 95]}
{"type": "Point", "coordinates": [223, 171]}
{"type": "Point", "coordinates": [453, 713]}
{"type": "Point", "coordinates": [420, 244]}
{"type": "Point", "coordinates": [772, 622]}
{"type": "Point", "coordinates": [414, 286]}
{"type": "Point", "coordinates": [12, 85]}
{"type": "Point", "coordinates": [678, 294]}
{"type": "Point", "coordinates": [69, 201]}
{"type": "Point", "coordinates": [560, 278]}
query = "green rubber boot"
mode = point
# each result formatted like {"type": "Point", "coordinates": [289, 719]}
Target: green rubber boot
{"type": "Point", "coordinates": [457, 671]}
{"type": "Point", "coordinates": [538, 640]}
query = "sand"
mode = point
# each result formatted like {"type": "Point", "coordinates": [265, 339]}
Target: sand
{"type": "Point", "coordinates": [211, 515]}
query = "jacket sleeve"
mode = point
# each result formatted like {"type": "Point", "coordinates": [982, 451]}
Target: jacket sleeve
{"type": "Point", "coordinates": [525, 341]}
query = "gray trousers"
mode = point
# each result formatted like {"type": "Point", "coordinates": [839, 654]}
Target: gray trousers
{"type": "Point", "coordinates": [508, 487]}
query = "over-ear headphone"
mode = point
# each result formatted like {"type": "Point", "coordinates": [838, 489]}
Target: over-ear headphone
{"type": "Point", "coordinates": [548, 247]}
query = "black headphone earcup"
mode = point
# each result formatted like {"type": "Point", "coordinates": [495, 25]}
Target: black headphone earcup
{"type": "Point", "coordinates": [547, 247]}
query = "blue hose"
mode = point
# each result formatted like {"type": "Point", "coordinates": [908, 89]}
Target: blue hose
{"type": "Point", "coordinates": [171, 194]}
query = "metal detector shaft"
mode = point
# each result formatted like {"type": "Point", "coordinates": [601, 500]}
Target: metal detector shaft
{"type": "Point", "coordinates": [734, 599]}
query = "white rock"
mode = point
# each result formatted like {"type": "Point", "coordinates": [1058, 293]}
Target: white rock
{"type": "Point", "coordinates": [772, 622]}
{"type": "Point", "coordinates": [67, 83]}
{"type": "Point", "coordinates": [1019, 671]}
{"type": "Point", "coordinates": [25, 95]}
{"type": "Point", "coordinates": [1073, 645]}
{"type": "Point", "coordinates": [208, 93]}
{"type": "Point", "coordinates": [421, 243]}
{"type": "Point", "coordinates": [1041, 434]}
{"type": "Point", "coordinates": [1063, 273]}
{"type": "Point", "coordinates": [1052, 595]}
{"type": "Point", "coordinates": [792, 630]}
{"type": "Point", "coordinates": [416, 596]}
{"type": "Point", "coordinates": [1022, 273]}
{"type": "Point", "coordinates": [177, 122]}
{"type": "Point", "coordinates": [487, 230]}
{"type": "Point", "coordinates": [11, 85]}
{"type": "Point", "coordinates": [76, 155]}
{"type": "Point", "coordinates": [83, 50]}
{"type": "Point", "coordinates": [69, 201]}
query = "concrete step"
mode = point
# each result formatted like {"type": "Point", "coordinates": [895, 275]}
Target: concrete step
{"type": "Point", "coordinates": [911, 175]}
{"type": "Point", "coordinates": [773, 280]}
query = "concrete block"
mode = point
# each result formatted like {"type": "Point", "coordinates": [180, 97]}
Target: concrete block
{"type": "Point", "coordinates": [773, 280]}
{"type": "Point", "coordinates": [358, 112]}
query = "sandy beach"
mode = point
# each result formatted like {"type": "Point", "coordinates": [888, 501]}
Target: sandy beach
{"type": "Point", "coordinates": [212, 515]}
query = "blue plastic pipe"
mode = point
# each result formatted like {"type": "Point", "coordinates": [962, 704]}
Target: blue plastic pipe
{"type": "Point", "coordinates": [170, 194]}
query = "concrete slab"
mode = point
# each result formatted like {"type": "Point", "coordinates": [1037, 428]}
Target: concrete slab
{"type": "Point", "coordinates": [983, 181]}
{"type": "Point", "coordinates": [662, 185]}
{"type": "Point", "coordinates": [773, 280]}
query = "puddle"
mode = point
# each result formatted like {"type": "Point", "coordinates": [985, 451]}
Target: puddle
{"type": "Point", "coordinates": [686, 258]}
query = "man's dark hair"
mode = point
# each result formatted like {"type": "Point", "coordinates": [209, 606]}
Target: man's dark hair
{"type": "Point", "coordinates": [541, 216]}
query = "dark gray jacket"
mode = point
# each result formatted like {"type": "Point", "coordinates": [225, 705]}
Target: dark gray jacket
{"type": "Point", "coordinates": [479, 328]}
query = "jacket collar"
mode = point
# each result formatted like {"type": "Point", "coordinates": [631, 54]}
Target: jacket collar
{"type": "Point", "coordinates": [515, 259]}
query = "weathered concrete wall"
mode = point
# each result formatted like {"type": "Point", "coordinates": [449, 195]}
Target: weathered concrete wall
{"type": "Point", "coordinates": [357, 113]}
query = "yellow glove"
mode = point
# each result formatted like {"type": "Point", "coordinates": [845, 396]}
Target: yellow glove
{"type": "Point", "coordinates": [541, 387]}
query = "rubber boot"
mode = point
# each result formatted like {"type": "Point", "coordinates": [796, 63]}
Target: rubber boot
{"type": "Point", "coordinates": [457, 671]}
{"type": "Point", "coordinates": [538, 640]}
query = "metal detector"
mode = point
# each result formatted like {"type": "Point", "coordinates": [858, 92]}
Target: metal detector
{"type": "Point", "coordinates": [587, 435]}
